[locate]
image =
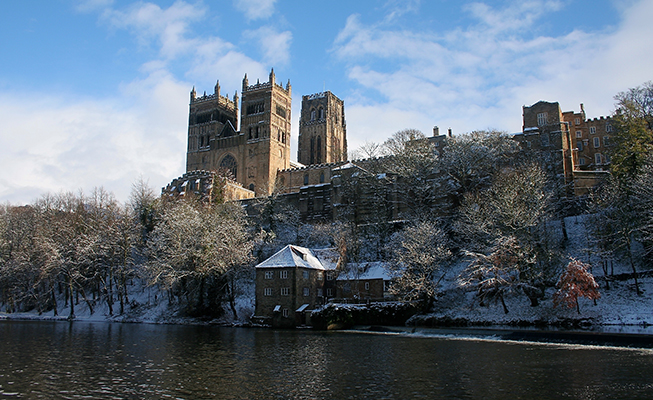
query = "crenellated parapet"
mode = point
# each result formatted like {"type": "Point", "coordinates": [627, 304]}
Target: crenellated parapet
{"type": "Point", "coordinates": [223, 101]}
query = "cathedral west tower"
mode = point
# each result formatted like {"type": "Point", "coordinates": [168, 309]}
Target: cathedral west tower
{"type": "Point", "coordinates": [322, 130]}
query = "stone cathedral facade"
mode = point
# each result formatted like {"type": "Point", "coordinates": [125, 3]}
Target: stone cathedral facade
{"type": "Point", "coordinates": [254, 150]}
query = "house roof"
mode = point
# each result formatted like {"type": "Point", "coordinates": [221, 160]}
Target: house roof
{"type": "Point", "coordinates": [293, 256]}
{"type": "Point", "coordinates": [365, 271]}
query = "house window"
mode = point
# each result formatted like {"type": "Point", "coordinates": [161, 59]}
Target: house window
{"type": "Point", "coordinates": [283, 274]}
{"type": "Point", "coordinates": [306, 292]}
{"type": "Point", "coordinates": [319, 276]}
{"type": "Point", "coordinates": [319, 292]}
{"type": "Point", "coordinates": [367, 286]}
{"type": "Point", "coordinates": [285, 291]}
{"type": "Point", "coordinates": [322, 177]}
{"type": "Point", "coordinates": [306, 179]}
{"type": "Point", "coordinates": [606, 159]}
{"type": "Point", "coordinates": [579, 145]}
{"type": "Point", "coordinates": [305, 274]}
{"type": "Point", "coordinates": [605, 140]}
{"type": "Point", "coordinates": [329, 292]}
{"type": "Point", "coordinates": [577, 121]}
{"type": "Point", "coordinates": [579, 134]}
{"type": "Point", "coordinates": [269, 275]}
{"type": "Point", "coordinates": [541, 119]}
{"type": "Point", "coordinates": [597, 142]}
{"type": "Point", "coordinates": [329, 276]}
{"type": "Point", "coordinates": [608, 128]}
{"type": "Point", "coordinates": [268, 291]}
{"type": "Point", "coordinates": [592, 130]}
{"type": "Point", "coordinates": [286, 312]}
{"type": "Point", "coordinates": [581, 161]}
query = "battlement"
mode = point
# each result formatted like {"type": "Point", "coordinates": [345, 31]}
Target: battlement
{"type": "Point", "coordinates": [315, 95]}
{"type": "Point", "coordinates": [601, 118]}
{"type": "Point", "coordinates": [314, 167]}
{"type": "Point", "coordinates": [216, 97]}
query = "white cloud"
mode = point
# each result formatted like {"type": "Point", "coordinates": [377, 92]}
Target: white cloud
{"type": "Point", "coordinates": [168, 26]}
{"type": "Point", "coordinates": [274, 45]}
{"type": "Point", "coordinates": [255, 9]}
{"type": "Point", "coordinates": [64, 143]}
{"type": "Point", "coordinates": [479, 76]}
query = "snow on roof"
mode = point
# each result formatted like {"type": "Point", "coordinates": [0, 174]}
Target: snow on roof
{"type": "Point", "coordinates": [328, 257]}
{"type": "Point", "coordinates": [302, 308]}
{"type": "Point", "coordinates": [292, 256]}
{"type": "Point", "coordinates": [346, 166]}
{"type": "Point", "coordinates": [365, 271]}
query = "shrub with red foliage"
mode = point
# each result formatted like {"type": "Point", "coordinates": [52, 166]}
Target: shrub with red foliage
{"type": "Point", "coordinates": [576, 282]}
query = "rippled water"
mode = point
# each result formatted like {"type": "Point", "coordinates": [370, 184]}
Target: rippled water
{"type": "Point", "coordinates": [46, 360]}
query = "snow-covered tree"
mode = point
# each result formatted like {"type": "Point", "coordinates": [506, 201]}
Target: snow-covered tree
{"type": "Point", "coordinates": [576, 282]}
{"type": "Point", "coordinates": [419, 256]}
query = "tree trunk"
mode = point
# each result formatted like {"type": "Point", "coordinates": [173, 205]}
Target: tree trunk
{"type": "Point", "coordinates": [503, 303]}
{"type": "Point", "coordinates": [71, 316]}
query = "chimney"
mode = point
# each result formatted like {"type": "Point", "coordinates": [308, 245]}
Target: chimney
{"type": "Point", "coordinates": [450, 133]}
{"type": "Point", "coordinates": [436, 131]}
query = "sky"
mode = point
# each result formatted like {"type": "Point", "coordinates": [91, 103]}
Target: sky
{"type": "Point", "coordinates": [95, 92]}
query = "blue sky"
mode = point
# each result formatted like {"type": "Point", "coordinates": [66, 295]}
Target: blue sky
{"type": "Point", "coordinates": [95, 92]}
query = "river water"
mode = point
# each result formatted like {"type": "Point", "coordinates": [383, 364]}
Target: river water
{"type": "Point", "coordinates": [62, 360]}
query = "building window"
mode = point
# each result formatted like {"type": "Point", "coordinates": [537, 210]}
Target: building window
{"type": "Point", "coordinates": [319, 292]}
{"type": "Point", "coordinates": [541, 119]}
{"type": "Point", "coordinates": [283, 274]}
{"type": "Point", "coordinates": [329, 276]}
{"type": "Point", "coordinates": [606, 159]}
{"type": "Point", "coordinates": [306, 179]}
{"type": "Point", "coordinates": [581, 160]}
{"type": "Point", "coordinates": [605, 140]}
{"type": "Point", "coordinates": [229, 164]}
{"type": "Point", "coordinates": [319, 276]}
{"type": "Point", "coordinates": [321, 113]}
{"type": "Point", "coordinates": [312, 115]}
{"type": "Point", "coordinates": [367, 286]}
{"type": "Point", "coordinates": [597, 142]}
{"type": "Point", "coordinates": [286, 312]}
{"type": "Point", "coordinates": [579, 145]}
{"type": "Point", "coordinates": [579, 134]}
{"type": "Point", "coordinates": [592, 130]}
{"type": "Point", "coordinates": [545, 140]}
{"type": "Point", "coordinates": [306, 292]}
{"type": "Point", "coordinates": [322, 177]}
{"type": "Point", "coordinates": [305, 274]}
{"type": "Point", "coordinates": [329, 292]}
{"type": "Point", "coordinates": [251, 187]}
{"type": "Point", "coordinates": [577, 121]}
{"type": "Point", "coordinates": [269, 275]}
{"type": "Point", "coordinates": [285, 291]}
{"type": "Point", "coordinates": [268, 291]}
{"type": "Point", "coordinates": [597, 159]}
{"type": "Point", "coordinates": [608, 128]}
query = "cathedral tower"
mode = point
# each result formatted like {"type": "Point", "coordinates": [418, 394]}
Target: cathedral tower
{"type": "Point", "coordinates": [265, 125]}
{"type": "Point", "coordinates": [322, 130]}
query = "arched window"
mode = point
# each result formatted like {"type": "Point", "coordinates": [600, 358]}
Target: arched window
{"type": "Point", "coordinates": [321, 113]}
{"type": "Point", "coordinates": [251, 187]}
{"type": "Point", "coordinates": [306, 179]}
{"type": "Point", "coordinates": [312, 115]}
{"type": "Point", "coordinates": [229, 164]}
{"type": "Point", "coordinates": [250, 133]}
{"type": "Point", "coordinates": [322, 177]}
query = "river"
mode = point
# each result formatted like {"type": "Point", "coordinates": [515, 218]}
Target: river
{"type": "Point", "coordinates": [62, 360]}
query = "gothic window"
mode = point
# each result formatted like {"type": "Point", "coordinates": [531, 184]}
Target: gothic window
{"type": "Point", "coordinates": [321, 113]}
{"type": "Point", "coordinates": [228, 163]}
{"type": "Point", "coordinates": [312, 153]}
{"type": "Point", "coordinates": [322, 177]}
{"type": "Point", "coordinates": [306, 179]}
{"type": "Point", "coordinates": [258, 128]}
{"type": "Point", "coordinates": [255, 108]}
{"type": "Point", "coordinates": [541, 119]}
{"type": "Point", "coordinates": [251, 187]}
{"type": "Point", "coordinates": [250, 133]}
{"type": "Point", "coordinates": [312, 115]}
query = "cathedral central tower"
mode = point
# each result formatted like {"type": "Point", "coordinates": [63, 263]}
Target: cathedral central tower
{"type": "Point", "coordinates": [322, 130]}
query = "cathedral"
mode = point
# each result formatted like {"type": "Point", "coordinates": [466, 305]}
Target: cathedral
{"type": "Point", "coordinates": [255, 151]}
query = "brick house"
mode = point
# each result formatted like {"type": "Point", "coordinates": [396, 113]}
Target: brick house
{"type": "Point", "coordinates": [291, 283]}
{"type": "Point", "coordinates": [363, 282]}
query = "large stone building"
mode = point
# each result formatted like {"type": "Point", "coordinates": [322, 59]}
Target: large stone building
{"type": "Point", "coordinates": [254, 154]}
{"type": "Point", "coordinates": [577, 147]}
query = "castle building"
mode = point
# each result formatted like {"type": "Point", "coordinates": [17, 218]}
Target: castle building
{"type": "Point", "coordinates": [322, 130]}
{"type": "Point", "coordinates": [568, 141]}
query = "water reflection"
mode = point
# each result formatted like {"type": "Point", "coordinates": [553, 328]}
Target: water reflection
{"type": "Point", "coordinates": [133, 361]}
